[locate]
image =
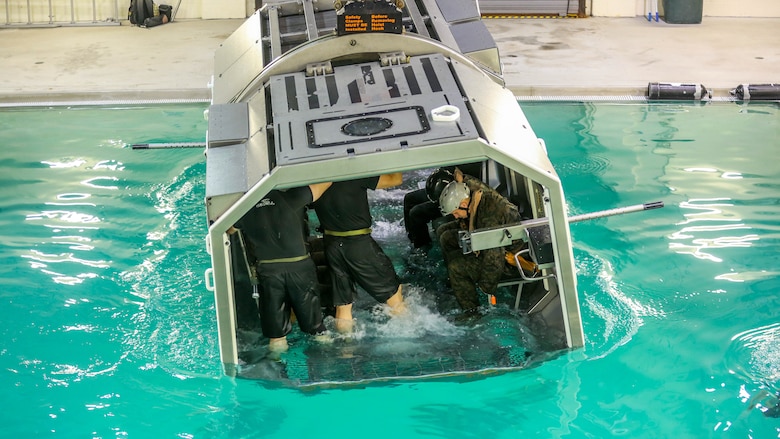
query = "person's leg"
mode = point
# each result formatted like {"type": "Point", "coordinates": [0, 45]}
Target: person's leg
{"type": "Point", "coordinates": [374, 272]}
{"type": "Point", "coordinates": [449, 240]}
{"type": "Point", "coordinates": [463, 271]}
{"type": "Point", "coordinates": [343, 290]}
{"type": "Point", "coordinates": [274, 310]}
{"type": "Point", "coordinates": [415, 221]}
{"type": "Point", "coordinates": [344, 321]}
{"type": "Point", "coordinates": [302, 289]}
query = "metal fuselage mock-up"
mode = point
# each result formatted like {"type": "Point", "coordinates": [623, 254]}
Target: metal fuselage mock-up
{"type": "Point", "coordinates": [306, 92]}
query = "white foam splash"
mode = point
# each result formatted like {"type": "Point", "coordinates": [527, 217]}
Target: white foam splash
{"type": "Point", "coordinates": [417, 322]}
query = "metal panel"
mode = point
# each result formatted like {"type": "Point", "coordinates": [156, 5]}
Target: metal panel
{"type": "Point", "coordinates": [475, 41]}
{"type": "Point", "coordinates": [496, 108]}
{"type": "Point", "coordinates": [489, 59]}
{"type": "Point", "coordinates": [458, 10]}
{"type": "Point", "coordinates": [233, 168]}
{"type": "Point", "coordinates": [226, 169]}
{"type": "Point", "coordinates": [241, 40]}
{"type": "Point", "coordinates": [310, 113]}
{"type": "Point", "coordinates": [472, 36]}
{"type": "Point", "coordinates": [238, 60]}
{"type": "Point", "coordinates": [458, 25]}
{"type": "Point", "coordinates": [440, 24]}
{"type": "Point", "coordinates": [228, 124]}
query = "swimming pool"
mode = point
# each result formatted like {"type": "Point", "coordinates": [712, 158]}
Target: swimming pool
{"type": "Point", "coordinates": [109, 331]}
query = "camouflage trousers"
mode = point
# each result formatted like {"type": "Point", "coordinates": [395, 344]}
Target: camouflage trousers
{"type": "Point", "coordinates": [472, 273]}
{"type": "Point", "coordinates": [464, 270]}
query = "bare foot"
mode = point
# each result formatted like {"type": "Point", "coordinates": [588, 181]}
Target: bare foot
{"type": "Point", "coordinates": [278, 345]}
{"type": "Point", "coordinates": [345, 326]}
{"type": "Point", "coordinates": [323, 337]}
{"type": "Point", "coordinates": [396, 303]}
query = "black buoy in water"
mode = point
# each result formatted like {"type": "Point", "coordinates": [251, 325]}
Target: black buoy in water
{"type": "Point", "coordinates": [677, 92]}
{"type": "Point", "coordinates": [757, 92]}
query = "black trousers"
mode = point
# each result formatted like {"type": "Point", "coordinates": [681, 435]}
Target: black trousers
{"type": "Point", "coordinates": [418, 212]}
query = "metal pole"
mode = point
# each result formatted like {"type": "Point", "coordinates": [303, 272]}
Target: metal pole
{"type": "Point", "coordinates": [94, 12]}
{"type": "Point", "coordinates": [51, 15]}
{"type": "Point", "coordinates": [169, 145]}
{"type": "Point", "coordinates": [617, 211]}
{"type": "Point", "coordinates": [72, 13]}
{"type": "Point", "coordinates": [504, 235]}
{"type": "Point", "coordinates": [7, 13]}
{"type": "Point", "coordinates": [29, 17]}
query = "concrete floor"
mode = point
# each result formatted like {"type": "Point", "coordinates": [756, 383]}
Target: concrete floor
{"type": "Point", "coordinates": [541, 57]}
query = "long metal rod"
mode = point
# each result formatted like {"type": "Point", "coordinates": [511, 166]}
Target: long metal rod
{"type": "Point", "coordinates": [169, 145]}
{"type": "Point", "coordinates": [504, 235]}
{"type": "Point", "coordinates": [616, 211]}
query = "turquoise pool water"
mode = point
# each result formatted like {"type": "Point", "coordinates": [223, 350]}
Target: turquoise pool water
{"type": "Point", "coordinates": [108, 330]}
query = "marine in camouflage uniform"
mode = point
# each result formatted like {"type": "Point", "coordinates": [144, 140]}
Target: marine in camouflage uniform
{"type": "Point", "coordinates": [483, 269]}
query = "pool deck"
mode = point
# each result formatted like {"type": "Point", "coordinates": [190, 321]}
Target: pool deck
{"type": "Point", "coordinates": [541, 57]}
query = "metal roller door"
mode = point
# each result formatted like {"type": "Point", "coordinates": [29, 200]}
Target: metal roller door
{"type": "Point", "coordinates": [529, 7]}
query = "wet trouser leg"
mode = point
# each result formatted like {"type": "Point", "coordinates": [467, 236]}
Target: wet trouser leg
{"type": "Point", "coordinates": [417, 212]}
{"type": "Point", "coordinates": [464, 272]}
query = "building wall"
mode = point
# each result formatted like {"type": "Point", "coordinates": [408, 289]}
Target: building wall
{"type": "Point", "coordinates": [711, 8]}
{"type": "Point", "coordinates": [19, 12]}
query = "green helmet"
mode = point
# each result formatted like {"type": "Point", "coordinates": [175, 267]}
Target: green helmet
{"type": "Point", "coordinates": [452, 195]}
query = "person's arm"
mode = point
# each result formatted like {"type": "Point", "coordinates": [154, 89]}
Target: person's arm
{"type": "Point", "coordinates": [390, 180]}
{"type": "Point", "coordinates": [458, 175]}
{"type": "Point", "coordinates": [318, 189]}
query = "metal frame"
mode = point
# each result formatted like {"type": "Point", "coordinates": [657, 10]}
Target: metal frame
{"type": "Point", "coordinates": [243, 71]}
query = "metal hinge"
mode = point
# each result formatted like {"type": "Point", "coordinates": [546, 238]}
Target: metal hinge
{"type": "Point", "coordinates": [393, 58]}
{"type": "Point", "coordinates": [319, 68]}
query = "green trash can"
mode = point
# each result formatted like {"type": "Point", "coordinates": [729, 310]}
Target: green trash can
{"type": "Point", "coordinates": [683, 11]}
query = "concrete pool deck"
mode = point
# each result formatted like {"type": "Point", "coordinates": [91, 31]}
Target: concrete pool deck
{"type": "Point", "coordinates": [541, 57]}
